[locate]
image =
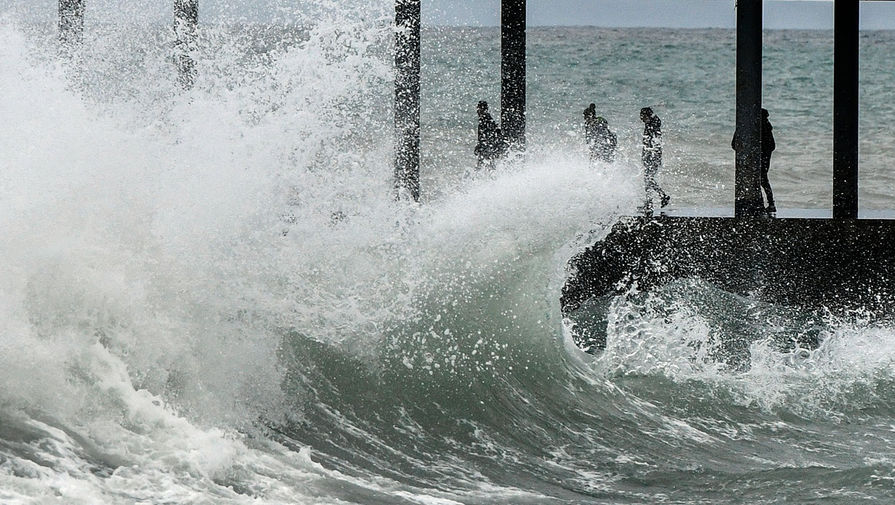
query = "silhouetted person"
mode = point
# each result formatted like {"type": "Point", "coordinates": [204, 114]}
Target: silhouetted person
{"type": "Point", "coordinates": [767, 148]}
{"type": "Point", "coordinates": [491, 145]}
{"type": "Point", "coordinates": [652, 156]}
{"type": "Point", "coordinates": [601, 142]}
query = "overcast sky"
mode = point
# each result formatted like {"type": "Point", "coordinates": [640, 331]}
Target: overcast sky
{"type": "Point", "coordinates": [621, 13]}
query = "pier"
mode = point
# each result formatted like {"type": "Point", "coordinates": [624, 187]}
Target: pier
{"type": "Point", "coordinates": [836, 260]}
{"type": "Point", "coordinates": [839, 260]}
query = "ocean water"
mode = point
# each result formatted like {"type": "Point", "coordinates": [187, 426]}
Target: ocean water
{"type": "Point", "coordinates": [211, 297]}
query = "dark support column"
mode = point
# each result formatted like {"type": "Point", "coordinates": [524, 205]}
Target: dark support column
{"type": "Point", "coordinates": [512, 71]}
{"type": "Point", "coordinates": [845, 110]}
{"type": "Point", "coordinates": [407, 99]}
{"type": "Point", "coordinates": [748, 113]}
{"type": "Point", "coordinates": [186, 31]}
{"type": "Point", "coordinates": [71, 22]}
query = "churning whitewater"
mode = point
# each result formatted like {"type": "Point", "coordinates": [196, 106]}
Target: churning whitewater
{"type": "Point", "coordinates": [213, 297]}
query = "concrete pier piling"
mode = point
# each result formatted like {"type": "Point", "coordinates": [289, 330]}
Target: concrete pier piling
{"type": "Point", "coordinates": [407, 99]}
{"type": "Point", "coordinates": [71, 22]}
{"type": "Point", "coordinates": [186, 32]}
{"type": "Point", "coordinates": [845, 110]}
{"type": "Point", "coordinates": [512, 71]}
{"type": "Point", "coordinates": [748, 201]}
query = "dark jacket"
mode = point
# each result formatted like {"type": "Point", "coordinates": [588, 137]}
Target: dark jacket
{"type": "Point", "coordinates": [768, 145]}
{"type": "Point", "coordinates": [767, 138]}
{"type": "Point", "coordinates": [490, 139]}
{"type": "Point", "coordinates": [600, 139]}
{"type": "Point", "coordinates": [652, 143]}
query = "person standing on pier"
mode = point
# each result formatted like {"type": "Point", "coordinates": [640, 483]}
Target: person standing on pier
{"type": "Point", "coordinates": [652, 156]}
{"type": "Point", "coordinates": [767, 148]}
{"type": "Point", "coordinates": [601, 142]}
{"type": "Point", "coordinates": [491, 144]}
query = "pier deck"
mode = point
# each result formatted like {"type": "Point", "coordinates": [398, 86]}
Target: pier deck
{"type": "Point", "coordinates": [782, 213]}
{"type": "Point", "coordinates": [806, 259]}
